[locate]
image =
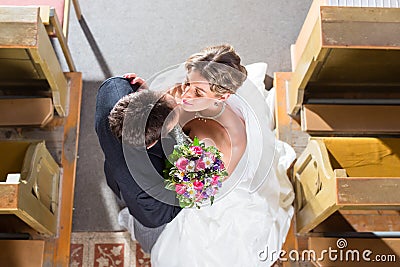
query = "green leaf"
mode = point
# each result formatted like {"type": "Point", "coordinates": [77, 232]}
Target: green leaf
{"type": "Point", "coordinates": [196, 141]}
{"type": "Point", "coordinates": [168, 164]}
{"type": "Point", "coordinates": [170, 186]}
{"type": "Point", "coordinates": [165, 174]}
{"type": "Point", "coordinates": [212, 199]}
{"type": "Point", "coordinates": [185, 202]}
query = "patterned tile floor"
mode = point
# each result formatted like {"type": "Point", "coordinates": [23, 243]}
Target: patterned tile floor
{"type": "Point", "coordinates": [109, 249]}
{"type": "Point", "coordinates": [106, 249]}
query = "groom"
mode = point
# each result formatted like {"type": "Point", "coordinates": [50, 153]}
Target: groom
{"type": "Point", "coordinates": [114, 95]}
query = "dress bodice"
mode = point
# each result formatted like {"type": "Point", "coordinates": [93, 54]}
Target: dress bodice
{"type": "Point", "coordinates": [180, 136]}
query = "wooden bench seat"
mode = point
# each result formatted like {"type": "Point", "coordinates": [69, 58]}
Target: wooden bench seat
{"type": "Point", "coordinates": [29, 184]}
{"type": "Point", "coordinates": [345, 173]}
{"type": "Point", "coordinates": [55, 16]}
{"type": "Point", "coordinates": [347, 53]}
{"type": "Point", "coordinates": [22, 253]}
{"type": "Point", "coordinates": [320, 119]}
{"type": "Point", "coordinates": [28, 63]}
{"type": "Point", "coordinates": [61, 137]}
{"type": "Point", "coordinates": [26, 111]}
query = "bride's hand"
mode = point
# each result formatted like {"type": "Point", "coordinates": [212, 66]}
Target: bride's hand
{"type": "Point", "coordinates": [134, 79]}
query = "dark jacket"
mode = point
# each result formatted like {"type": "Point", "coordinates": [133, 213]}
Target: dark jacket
{"type": "Point", "coordinates": [146, 209]}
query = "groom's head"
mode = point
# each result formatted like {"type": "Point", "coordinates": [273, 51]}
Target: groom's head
{"type": "Point", "coordinates": [151, 110]}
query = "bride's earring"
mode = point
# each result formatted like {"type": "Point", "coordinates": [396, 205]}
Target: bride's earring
{"type": "Point", "coordinates": [216, 103]}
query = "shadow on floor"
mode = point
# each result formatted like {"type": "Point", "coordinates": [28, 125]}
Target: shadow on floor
{"type": "Point", "coordinates": [95, 48]}
{"type": "Point", "coordinates": [97, 209]}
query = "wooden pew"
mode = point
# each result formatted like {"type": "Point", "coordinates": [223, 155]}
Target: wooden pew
{"type": "Point", "coordinates": [20, 253]}
{"type": "Point", "coordinates": [55, 16]}
{"type": "Point", "coordinates": [328, 119]}
{"type": "Point", "coordinates": [32, 85]}
{"type": "Point", "coordinates": [26, 111]}
{"type": "Point", "coordinates": [61, 138]}
{"type": "Point", "coordinates": [343, 97]}
{"type": "Point", "coordinates": [345, 173]}
{"type": "Point", "coordinates": [32, 195]}
{"type": "Point", "coordinates": [29, 65]}
{"type": "Point", "coordinates": [365, 39]}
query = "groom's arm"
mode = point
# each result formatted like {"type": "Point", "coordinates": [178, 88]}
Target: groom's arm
{"type": "Point", "coordinates": [159, 205]}
{"type": "Point", "coordinates": [147, 210]}
{"type": "Point", "coordinates": [109, 93]}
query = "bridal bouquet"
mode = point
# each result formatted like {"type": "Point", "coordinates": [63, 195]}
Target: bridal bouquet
{"type": "Point", "coordinates": [195, 172]}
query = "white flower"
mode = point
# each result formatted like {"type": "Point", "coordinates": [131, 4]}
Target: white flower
{"type": "Point", "coordinates": [191, 191]}
{"type": "Point", "coordinates": [208, 162]}
{"type": "Point", "coordinates": [180, 175]}
{"type": "Point", "coordinates": [191, 166]}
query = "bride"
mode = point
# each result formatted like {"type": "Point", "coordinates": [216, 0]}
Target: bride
{"type": "Point", "coordinates": [252, 212]}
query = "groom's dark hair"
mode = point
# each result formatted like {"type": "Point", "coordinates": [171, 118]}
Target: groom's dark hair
{"type": "Point", "coordinates": [145, 109]}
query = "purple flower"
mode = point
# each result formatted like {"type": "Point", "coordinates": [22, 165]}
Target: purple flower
{"type": "Point", "coordinates": [197, 173]}
{"type": "Point", "coordinates": [218, 165]}
{"type": "Point", "coordinates": [209, 191]}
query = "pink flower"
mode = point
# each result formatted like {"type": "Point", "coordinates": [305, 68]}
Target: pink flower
{"type": "Point", "coordinates": [199, 197]}
{"type": "Point", "coordinates": [221, 166]}
{"type": "Point", "coordinates": [215, 180]}
{"type": "Point", "coordinates": [197, 150]}
{"type": "Point", "coordinates": [181, 163]}
{"type": "Point", "coordinates": [200, 165]}
{"type": "Point", "coordinates": [210, 155]}
{"type": "Point", "coordinates": [198, 185]}
{"type": "Point", "coordinates": [180, 189]}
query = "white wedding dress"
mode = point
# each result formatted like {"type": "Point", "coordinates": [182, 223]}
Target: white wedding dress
{"type": "Point", "coordinates": [253, 211]}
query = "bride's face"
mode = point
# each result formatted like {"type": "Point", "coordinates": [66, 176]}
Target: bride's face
{"type": "Point", "coordinates": [197, 94]}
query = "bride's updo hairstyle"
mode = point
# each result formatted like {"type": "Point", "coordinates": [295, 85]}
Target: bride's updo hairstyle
{"type": "Point", "coordinates": [220, 65]}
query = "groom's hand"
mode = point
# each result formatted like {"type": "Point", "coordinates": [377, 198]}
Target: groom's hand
{"type": "Point", "coordinates": [134, 79]}
{"type": "Point", "coordinates": [176, 91]}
